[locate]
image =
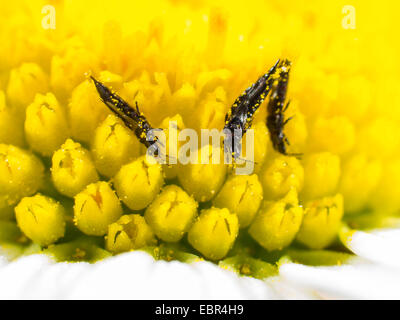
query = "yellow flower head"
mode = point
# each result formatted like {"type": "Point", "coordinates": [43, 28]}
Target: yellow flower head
{"type": "Point", "coordinates": [188, 62]}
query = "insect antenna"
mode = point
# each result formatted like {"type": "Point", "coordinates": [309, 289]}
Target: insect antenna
{"type": "Point", "coordinates": [299, 156]}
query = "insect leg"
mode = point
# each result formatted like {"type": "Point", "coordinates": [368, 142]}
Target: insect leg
{"type": "Point", "coordinates": [286, 107]}
{"type": "Point", "coordinates": [286, 121]}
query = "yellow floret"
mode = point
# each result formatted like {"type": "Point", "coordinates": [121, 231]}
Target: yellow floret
{"type": "Point", "coordinates": [21, 174]}
{"type": "Point", "coordinates": [321, 222]}
{"type": "Point", "coordinates": [72, 168]}
{"type": "Point", "coordinates": [321, 175]}
{"type": "Point", "coordinates": [203, 181]}
{"type": "Point", "coordinates": [379, 138]}
{"type": "Point", "coordinates": [45, 124]}
{"type": "Point", "coordinates": [354, 97]}
{"type": "Point", "coordinates": [280, 175]}
{"type": "Point", "coordinates": [208, 81]}
{"type": "Point", "coordinates": [360, 175]}
{"type": "Point", "coordinates": [24, 83]}
{"type": "Point", "coordinates": [86, 111]}
{"type": "Point", "coordinates": [241, 195]}
{"type": "Point", "coordinates": [183, 100]}
{"type": "Point", "coordinates": [11, 124]}
{"type": "Point", "coordinates": [151, 97]}
{"type": "Point", "coordinates": [211, 111]}
{"type": "Point", "coordinates": [277, 222]}
{"type": "Point", "coordinates": [113, 46]}
{"type": "Point", "coordinates": [110, 79]}
{"type": "Point", "coordinates": [68, 69]}
{"type": "Point", "coordinates": [296, 129]}
{"type": "Point", "coordinates": [130, 232]}
{"type": "Point", "coordinates": [315, 89]}
{"type": "Point", "coordinates": [95, 208]}
{"type": "Point", "coordinates": [214, 233]}
{"type": "Point", "coordinates": [334, 134]}
{"type": "Point", "coordinates": [261, 142]}
{"type": "Point", "coordinates": [385, 196]}
{"type": "Point", "coordinates": [138, 183]}
{"type": "Point", "coordinates": [41, 219]}
{"type": "Point", "coordinates": [113, 146]}
{"type": "Point", "coordinates": [172, 132]}
{"type": "Point", "coordinates": [171, 214]}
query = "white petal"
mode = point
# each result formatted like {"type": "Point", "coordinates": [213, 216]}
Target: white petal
{"type": "Point", "coordinates": [380, 246]}
{"type": "Point", "coordinates": [133, 275]}
{"type": "Point", "coordinates": [361, 281]}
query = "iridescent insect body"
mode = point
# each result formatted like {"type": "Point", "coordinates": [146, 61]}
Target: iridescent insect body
{"type": "Point", "coordinates": [239, 118]}
{"type": "Point", "coordinates": [276, 109]}
{"type": "Point", "coordinates": [132, 118]}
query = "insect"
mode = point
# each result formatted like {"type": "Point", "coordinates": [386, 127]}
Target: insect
{"type": "Point", "coordinates": [239, 118]}
{"type": "Point", "coordinates": [132, 118]}
{"type": "Point", "coordinates": [276, 109]}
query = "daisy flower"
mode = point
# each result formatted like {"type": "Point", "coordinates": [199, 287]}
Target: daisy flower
{"type": "Point", "coordinates": [84, 213]}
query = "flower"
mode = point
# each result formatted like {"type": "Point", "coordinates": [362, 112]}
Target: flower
{"type": "Point", "coordinates": [188, 61]}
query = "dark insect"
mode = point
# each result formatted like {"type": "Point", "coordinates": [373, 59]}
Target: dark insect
{"type": "Point", "coordinates": [276, 109]}
{"type": "Point", "coordinates": [132, 118]}
{"type": "Point", "coordinates": [239, 118]}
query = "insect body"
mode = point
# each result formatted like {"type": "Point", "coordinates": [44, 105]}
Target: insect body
{"type": "Point", "coordinates": [275, 110]}
{"type": "Point", "coordinates": [132, 118]}
{"type": "Point", "coordinates": [239, 119]}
